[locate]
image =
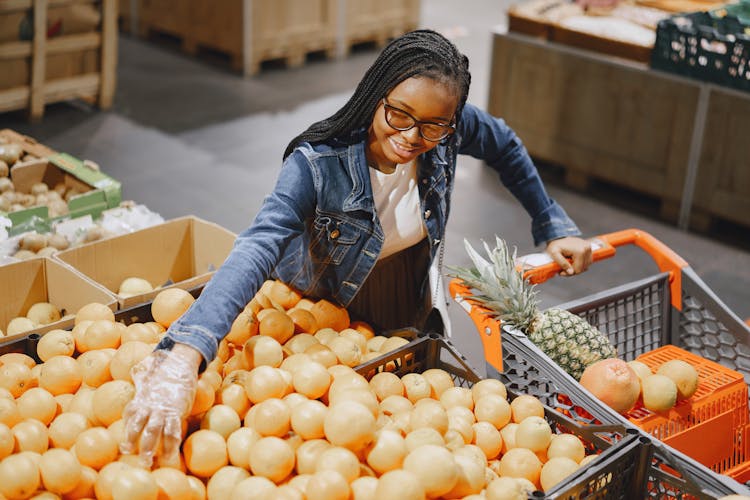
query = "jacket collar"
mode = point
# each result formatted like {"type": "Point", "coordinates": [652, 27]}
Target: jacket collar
{"type": "Point", "coordinates": [361, 198]}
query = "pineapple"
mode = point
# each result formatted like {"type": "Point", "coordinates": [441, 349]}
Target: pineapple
{"type": "Point", "coordinates": [567, 339]}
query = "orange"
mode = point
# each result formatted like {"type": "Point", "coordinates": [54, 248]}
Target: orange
{"type": "Point", "coordinates": [30, 435]}
{"type": "Point", "coordinates": [19, 476]}
{"type": "Point", "coordinates": [127, 356]}
{"type": "Point", "coordinates": [205, 453]}
{"type": "Point", "coordinates": [37, 403]}
{"type": "Point", "coordinates": [60, 470]}
{"type": "Point", "coordinates": [110, 399]}
{"type": "Point", "coordinates": [65, 428]}
{"type": "Point", "coordinates": [278, 325]}
{"type": "Point", "coordinates": [15, 377]}
{"type": "Point", "coordinates": [95, 447]}
{"type": "Point", "coordinates": [329, 315]}
{"type": "Point", "coordinates": [94, 366]}
{"type": "Point", "coordinates": [102, 334]}
{"type": "Point", "coordinates": [282, 294]}
{"type": "Point", "coordinates": [60, 375]}
{"type": "Point", "coordinates": [9, 414]}
{"type": "Point", "coordinates": [364, 329]}
{"type": "Point", "coordinates": [170, 304]}
{"type": "Point", "coordinates": [94, 311]}
{"type": "Point", "coordinates": [272, 458]}
{"type": "Point", "coordinates": [304, 321]}
{"type": "Point", "coordinates": [54, 343]}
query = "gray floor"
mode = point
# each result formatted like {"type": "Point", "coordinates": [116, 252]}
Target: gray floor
{"type": "Point", "coordinates": [186, 136]}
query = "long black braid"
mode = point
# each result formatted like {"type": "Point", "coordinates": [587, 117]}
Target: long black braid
{"type": "Point", "coordinates": [424, 53]}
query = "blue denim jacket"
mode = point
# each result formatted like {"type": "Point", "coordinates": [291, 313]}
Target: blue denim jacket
{"type": "Point", "coordinates": [318, 230]}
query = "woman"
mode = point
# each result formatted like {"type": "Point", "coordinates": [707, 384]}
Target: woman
{"type": "Point", "coordinates": [358, 211]}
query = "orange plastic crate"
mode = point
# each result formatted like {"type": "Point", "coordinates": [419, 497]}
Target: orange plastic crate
{"type": "Point", "coordinates": [741, 472]}
{"type": "Point", "coordinates": [711, 425]}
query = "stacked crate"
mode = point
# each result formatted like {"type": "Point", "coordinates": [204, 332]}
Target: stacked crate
{"type": "Point", "coordinates": [251, 32]}
{"type": "Point", "coordinates": [54, 50]}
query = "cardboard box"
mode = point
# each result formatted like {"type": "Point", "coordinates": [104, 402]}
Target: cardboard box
{"type": "Point", "coordinates": [98, 191]}
{"type": "Point", "coordinates": [22, 284]}
{"type": "Point", "coordinates": [183, 252]}
{"type": "Point", "coordinates": [29, 145]}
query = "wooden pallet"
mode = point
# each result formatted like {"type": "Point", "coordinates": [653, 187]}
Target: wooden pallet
{"type": "Point", "coordinates": [44, 70]}
{"type": "Point", "coordinates": [247, 32]}
{"type": "Point", "coordinates": [250, 32]}
{"type": "Point", "coordinates": [376, 21]}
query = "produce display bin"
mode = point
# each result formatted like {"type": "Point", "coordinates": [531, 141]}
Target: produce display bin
{"type": "Point", "coordinates": [98, 191]}
{"type": "Point", "coordinates": [41, 279]}
{"type": "Point", "coordinates": [619, 473]}
{"type": "Point", "coordinates": [29, 145]}
{"type": "Point", "coordinates": [182, 252]}
{"type": "Point", "coordinates": [671, 307]}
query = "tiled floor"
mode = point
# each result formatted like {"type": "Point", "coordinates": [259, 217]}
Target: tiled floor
{"type": "Point", "coordinates": [187, 137]}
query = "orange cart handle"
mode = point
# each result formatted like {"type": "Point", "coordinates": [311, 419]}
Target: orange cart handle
{"type": "Point", "coordinates": [601, 249]}
{"type": "Point", "coordinates": [605, 247]}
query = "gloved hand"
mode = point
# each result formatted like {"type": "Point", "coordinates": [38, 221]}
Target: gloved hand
{"type": "Point", "coordinates": [576, 249]}
{"type": "Point", "coordinates": [165, 384]}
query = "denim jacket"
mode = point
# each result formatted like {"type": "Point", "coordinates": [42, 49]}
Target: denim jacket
{"type": "Point", "coordinates": [318, 230]}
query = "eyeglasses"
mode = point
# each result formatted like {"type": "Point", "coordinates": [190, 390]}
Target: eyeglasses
{"type": "Point", "coordinates": [401, 120]}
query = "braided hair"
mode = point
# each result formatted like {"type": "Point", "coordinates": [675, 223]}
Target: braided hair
{"type": "Point", "coordinates": [423, 53]}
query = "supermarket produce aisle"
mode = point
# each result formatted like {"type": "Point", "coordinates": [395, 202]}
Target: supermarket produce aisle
{"type": "Point", "coordinates": [188, 137]}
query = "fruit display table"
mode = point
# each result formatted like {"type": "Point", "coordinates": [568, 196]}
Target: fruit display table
{"type": "Point", "coordinates": [605, 118]}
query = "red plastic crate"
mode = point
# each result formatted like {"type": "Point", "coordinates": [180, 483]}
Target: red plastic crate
{"type": "Point", "coordinates": [711, 425]}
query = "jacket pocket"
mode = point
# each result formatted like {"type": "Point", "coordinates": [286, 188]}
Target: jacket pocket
{"type": "Point", "coordinates": [333, 239]}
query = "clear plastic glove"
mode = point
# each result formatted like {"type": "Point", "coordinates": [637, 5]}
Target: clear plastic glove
{"type": "Point", "coordinates": [165, 384]}
{"type": "Point", "coordinates": [572, 254]}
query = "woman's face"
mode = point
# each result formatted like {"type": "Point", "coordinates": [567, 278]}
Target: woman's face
{"type": "Point", "coordinates": [424, 99]}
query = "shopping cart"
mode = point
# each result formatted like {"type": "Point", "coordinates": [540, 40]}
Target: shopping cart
{"type": "Point", "coordinates": [671, 307]}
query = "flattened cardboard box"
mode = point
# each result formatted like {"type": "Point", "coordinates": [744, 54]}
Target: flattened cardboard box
{"type": "Point", "coordinates": [183, 252]}
{"type": "Point", "coordinates": [42, 279]}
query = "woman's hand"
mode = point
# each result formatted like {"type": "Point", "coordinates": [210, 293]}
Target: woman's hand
{"type": "Point", "coordinates": [165, 384]}
{"type": "Point", "coordinates": [571, 253]}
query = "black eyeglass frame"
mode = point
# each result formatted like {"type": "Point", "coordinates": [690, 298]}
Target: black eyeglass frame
{"type": "Point", "coordinates": [449, 127]}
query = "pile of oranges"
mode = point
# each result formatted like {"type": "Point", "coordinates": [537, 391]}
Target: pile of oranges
{"type": "Point", "coordinates": [280, 413]}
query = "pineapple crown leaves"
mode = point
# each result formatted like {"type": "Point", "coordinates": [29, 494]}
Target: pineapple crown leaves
{"type": "Point", "coordinates": [500, 285]}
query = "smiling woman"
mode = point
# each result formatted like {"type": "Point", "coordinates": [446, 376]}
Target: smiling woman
{"type": "Point", "coordinates": [357, 217]}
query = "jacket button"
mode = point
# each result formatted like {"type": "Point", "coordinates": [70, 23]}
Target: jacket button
{"type": "Point", "coordinates": [425, 181]}
{"type": "Point", "coordinates": [335, 234]}
{"type": "Point", "coordinates": [427, 214]}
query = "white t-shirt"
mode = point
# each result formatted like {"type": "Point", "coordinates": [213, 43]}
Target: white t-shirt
{"type": "Point", "coordinates": [397, 204]}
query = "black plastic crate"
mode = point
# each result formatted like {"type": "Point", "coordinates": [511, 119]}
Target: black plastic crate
{"type": "Point", "coordinates": [673, 475]}
{"type": "Point", "coordinates": [700, 45]}
{"type": "Point", "coordinates": [619, 473]}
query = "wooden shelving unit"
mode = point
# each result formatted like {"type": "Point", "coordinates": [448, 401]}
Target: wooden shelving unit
{"type": "Point", "coordinates": [51, 67]}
